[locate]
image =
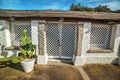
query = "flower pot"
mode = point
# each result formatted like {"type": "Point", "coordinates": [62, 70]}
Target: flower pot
{"type": "Point", "coordinates": [28, 65]}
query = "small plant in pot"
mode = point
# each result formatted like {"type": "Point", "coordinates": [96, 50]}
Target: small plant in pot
{"type": "Point", "coordinates": [26, 56]}
{"type": "Point", "coordinates": [27, 52]}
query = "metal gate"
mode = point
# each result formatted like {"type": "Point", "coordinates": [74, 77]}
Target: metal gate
{"type": "Point", "coordinates": [60, 40]}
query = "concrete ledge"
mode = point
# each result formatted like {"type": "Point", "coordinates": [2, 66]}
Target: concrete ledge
{"type": "Point", "coordinates": [80, 60]}
{"type": "Point", "coordinates": [101, 60]}
{"type": "Point", "coordinates": [11, 52]}
{"type": "Point", "coordinates": [99, 50]}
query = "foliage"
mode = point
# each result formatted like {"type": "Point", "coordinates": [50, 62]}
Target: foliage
{"type": "Point", "coordinates": [78, 7]}
{"type": "Point", "coordinates": [100, 8]}
{"type": "Point", "coordinates": [27, 49]}
{"type": "Point", "coordinates": [26, 45]}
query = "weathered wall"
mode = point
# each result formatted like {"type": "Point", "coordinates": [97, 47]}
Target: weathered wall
{"type": "Point", "coordinates": [105, 58]}
{"type": "Point", "coordinates": [82, 56]}
{"type": "Point", "coordinates": [4, 33]}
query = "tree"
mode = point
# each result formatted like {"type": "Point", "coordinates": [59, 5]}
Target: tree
{"type": "Point", "coordinates": [78, 7]}
{"type": "Point", "coordinates": [72, 7]}
{"type": "Point", "coordinates": [102, 8]}
{"type": "Point", "coordinates": [88, 9]}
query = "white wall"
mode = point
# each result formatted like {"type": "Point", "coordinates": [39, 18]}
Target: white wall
{"type": "Point", "coordinates": [105, 58]}
{"type": "Point", "coordinates": [4, 34]}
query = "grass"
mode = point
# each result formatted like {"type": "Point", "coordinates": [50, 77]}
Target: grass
{"type": "Point", "coordinates": [47, 72]}
{"type": "Point", "coordinates": [102, 71]}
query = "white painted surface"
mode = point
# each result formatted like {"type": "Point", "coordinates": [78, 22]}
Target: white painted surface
{"type": "Point", "coordinates": [8, 38]}
{"type": "Point", "coordinates": [86, 37]}
{"type": "Point", "coordinates": [34, 32]}
{"type": "Point", "coordinates": [78, 61]}
{"type": "Point", "coordinates": [104, 58]}
{"type": "Point", "coordinates": [5, 40]}
{"type": "Point", "coordinates": [2, 23]}
{"type": "Point", "coordinates": [41, 59]}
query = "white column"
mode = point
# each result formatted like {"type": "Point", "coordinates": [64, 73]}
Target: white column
{"type": "Point", "coordinates": [86, 37]}
{"type": "Point", "coordinates": [79, 60]}
{"type": "Point", "coordinates": [117, 40]}
{"type": "Point", "coordinates": [34, 33]}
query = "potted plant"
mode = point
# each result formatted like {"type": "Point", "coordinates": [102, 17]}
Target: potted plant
{"type": "Point", "coordinates": [27, 52]}
{"type": "Point", "coordinates": [26, 56]}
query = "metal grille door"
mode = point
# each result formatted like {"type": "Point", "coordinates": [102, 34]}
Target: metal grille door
{"type": "Point", "coordinates": [60, 40]}
{"type": "Point", "coordinates": [52, 40]}
{"type": "Point", "coordinates": [68, 40]}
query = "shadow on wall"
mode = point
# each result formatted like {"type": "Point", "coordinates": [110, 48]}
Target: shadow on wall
{"type": "Point", "coordinates": [118, 53]}
{"type": "Point", "coordinates": [115, 61]}
{"type": "Point", "coordinates": [2, 51]}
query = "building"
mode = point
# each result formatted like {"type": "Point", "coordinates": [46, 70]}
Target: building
{"type": "Point", "coordinates": [83, 37]}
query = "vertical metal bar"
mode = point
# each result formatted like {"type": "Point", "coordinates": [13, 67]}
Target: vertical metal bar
{"type": "Point", "coordinates": [76, 27]}
{"type": "Point", "coordinates": [60, 40]}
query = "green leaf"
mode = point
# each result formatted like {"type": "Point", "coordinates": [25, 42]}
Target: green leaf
{"type": "Point", "coordinates": [15, 60]}
{"type": "Point", "coordinates": [5, 59]}
{"type": "Point", "coordinates": [21, 58]}
{"type": "Point", "coordinates": [30, 54]}
{"type": "Point", "coordinates": [22, 51]}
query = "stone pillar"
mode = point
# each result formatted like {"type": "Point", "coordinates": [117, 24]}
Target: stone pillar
{"type": "Point", "coordinates": [117, 41]}
{"type": "Point", "coordinates": [42, 57]}
{"type": "Point", "coordinates": [79, 39]}
{"type": "Point", "coordinates": [112, 39]}
{"type": "Point", "coordinates": [82, 42]}
{"type": "Point", "coordinates": [86, 38]}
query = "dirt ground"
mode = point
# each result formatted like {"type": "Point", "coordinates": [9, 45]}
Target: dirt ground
{"type": "Point", "coordinates": [60, 72]}
{"type": "Point", "coordinates": [47, 72]}
{"type": "Point", "coordinates": [102, 71]}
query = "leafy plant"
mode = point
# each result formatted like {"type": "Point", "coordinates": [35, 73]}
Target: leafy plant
{"type": "Point", "coordinates": [27, 50]}
{"type": "Point", "coordinates": [26, 44]}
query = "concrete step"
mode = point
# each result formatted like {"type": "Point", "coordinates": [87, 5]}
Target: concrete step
{"type": "Point", "coordinates": [60, 61]}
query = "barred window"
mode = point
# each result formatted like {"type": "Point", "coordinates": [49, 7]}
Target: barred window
{"type": "Point", "coordinates": [100, 36]}
{"type": "Point", "coordinates": [16, 28]}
